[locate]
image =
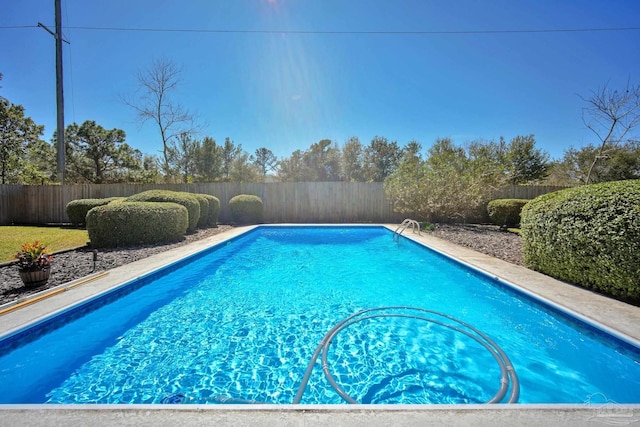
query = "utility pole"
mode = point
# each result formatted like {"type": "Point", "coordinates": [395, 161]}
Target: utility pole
{"type": "Point", "coordinates": [59, 89]}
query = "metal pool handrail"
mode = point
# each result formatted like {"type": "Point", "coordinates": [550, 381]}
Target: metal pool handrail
{"type": "Point", "coordinates": [507, 372]}
{"type": "Point", "coordinates": [415, 225]}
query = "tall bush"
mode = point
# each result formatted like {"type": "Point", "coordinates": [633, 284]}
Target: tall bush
{"type": "Point", "coordinates": [589, 236]}
{"type": "Point", "coordinates": [203, 221]}
{"type": "Point", "coordinates": [246, 209]}
{"type": "Point", "coordinates": [505, 212]}
{"type": "Point", "coordinates": [185, 199]}
{"type": "Point", "coordinates": [214, 209]}
{"type": "Point", "coordinates": [453, 184]}
{"type": "Point", "coordinates": [136, 223]}
{"type": "Point", "coordinates": [77, 209]}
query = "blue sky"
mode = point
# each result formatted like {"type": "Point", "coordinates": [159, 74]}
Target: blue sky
{"type": "Point", "coordinates": [285, 91]}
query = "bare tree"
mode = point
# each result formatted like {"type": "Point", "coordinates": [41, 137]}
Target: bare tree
{"type": "Point", "coordinates": [611, 115]}
{"type": "Point", "coordinates": [153, 102]}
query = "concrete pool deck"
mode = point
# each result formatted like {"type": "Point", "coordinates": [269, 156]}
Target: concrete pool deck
{"type": "Point", "coordinates": [616, 317]}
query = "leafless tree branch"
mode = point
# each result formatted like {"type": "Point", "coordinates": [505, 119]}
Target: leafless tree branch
{"type": "Point", "coordinates": [611, 115]}
{"type": "Point", "coordinates": [156, 84]}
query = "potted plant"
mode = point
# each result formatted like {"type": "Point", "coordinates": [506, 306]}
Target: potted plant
{"type": "Point", "coordinates": [34, 264]}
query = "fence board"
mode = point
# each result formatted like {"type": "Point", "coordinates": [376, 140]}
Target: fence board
{"type": "Point", "coordinates": [525, 191]}
{"type": "Point", "coordinates": [295, 202]}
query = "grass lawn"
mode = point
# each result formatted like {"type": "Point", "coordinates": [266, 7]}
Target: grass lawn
{"type": "Point", "coordinates": [55, 238]}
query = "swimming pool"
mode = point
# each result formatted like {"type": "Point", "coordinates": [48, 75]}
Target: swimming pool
{"type": "Point", "coordinates": [242, 322]}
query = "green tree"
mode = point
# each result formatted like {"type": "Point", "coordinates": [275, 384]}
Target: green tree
{"type": "Point", "coordinates": [381, 158]}
{"type": "Point", "coordinates": [131, 167]}
{"type": "Point", "coordinates": [452, 183]}
{"type": "Point", "coordinates": [322, 162]}
{"type": "Point", "coordinates": [16, 133]}
{"type": "Point", "coordinates": [407, 185]}
{"type": "Point", "coordinates": [412, 150]}
{"type": "Point", "coordinates": [98, 155]}
{"type": "Point", "coordinates": [39, 167]}
{"type": "Point", "coordinates": [209, 160]}
{"type": "Point", "coordinates": [524, 162]}
{"type": "Point", "coordinates": [243, 169]}
{"type": "Point", "coordinates": [623, 163]}
{"type": "Point", "coordinates": [293, 168]}
{"type": "Point", "coordinates": [265, 161]}
{"type": "Point", "coordinates": [149, 171]}
{"type": "Point", "coordinates": [183, 153]}
{"type": "Point", "coordinates": [353, 160]}
{"type": "Point", "coordinates": [230, 152]}
{"type": "Point", "coordinates": [448, 181]}
{"type": "Point", "coordinates": [488, 161]}
{"type": "Point", "coordinates": [576, 166]}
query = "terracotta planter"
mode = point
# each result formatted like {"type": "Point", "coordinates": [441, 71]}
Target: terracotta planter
{"type": "Point", "coordinates": [35, 278]}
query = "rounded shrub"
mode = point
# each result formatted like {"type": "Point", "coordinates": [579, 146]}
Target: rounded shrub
{"type": "Point", "coordinates": [185, 199]}
{"type": "Point", "coordinates": [214, 209]}
{"type": "Point", "coordinates": [505, 212]}
{"type": "Point", "coordinates": [589, 236]}
{"type": "Point", "coordinates": [77, 209]}
{"type": "Point", "coordinates": [246, 209]}
{"type": "Point", "coordinates": [204, 210]}
{"type": "Point", "coordinates": [136, 223]}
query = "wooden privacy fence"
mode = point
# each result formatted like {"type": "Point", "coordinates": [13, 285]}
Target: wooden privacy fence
{"type": "Point", "coordinates": [524, 191]}
{"type": "Point", "coordinates": [295, 202]}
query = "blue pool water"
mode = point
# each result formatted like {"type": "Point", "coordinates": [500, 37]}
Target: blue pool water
{"type": "Point", "coordinates": [241, 321]}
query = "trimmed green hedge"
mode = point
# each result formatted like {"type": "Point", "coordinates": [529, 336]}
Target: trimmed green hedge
{"type": "Point", "coordinates": [589, 236]}
{"type": "Point", "coordinates": [185, 199]}
{"type": "Point", "coordinates": [203, 221]}
{"type": "Point", "coordinates": [77, 209]}
{"type": "Point", "coordinates": [246, 209]}
{"type": "Point", "coordinates": [214, 209]}
{"type": "Point", "coordinates": [136, 223]}
{"type": "Point", "coordinates": [505, 212]}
